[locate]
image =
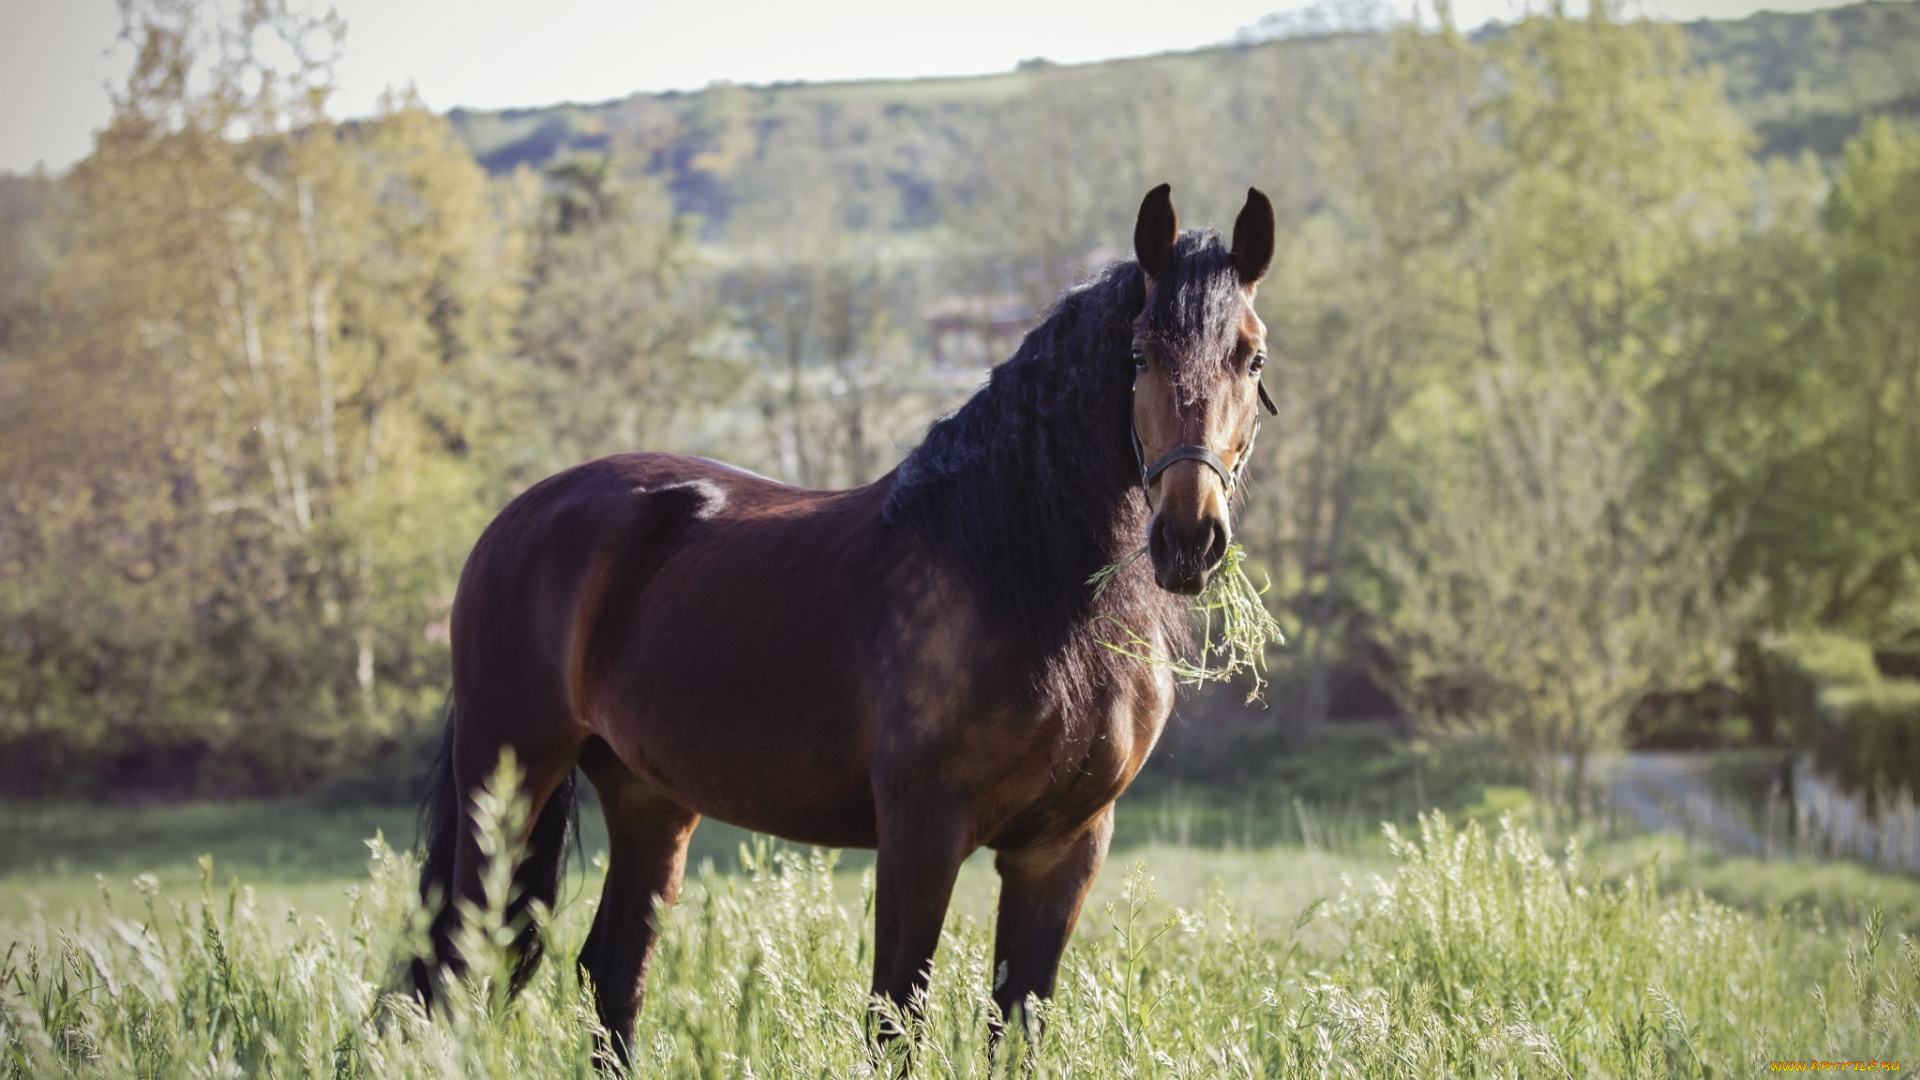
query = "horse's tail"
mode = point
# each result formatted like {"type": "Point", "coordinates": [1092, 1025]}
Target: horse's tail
{"type": "Point", "coordinates": [439, 831]}
{"type": "Point", "coordinates": [536, 878]}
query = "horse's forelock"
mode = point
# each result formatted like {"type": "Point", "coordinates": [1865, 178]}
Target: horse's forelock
{"type": "Point", "coordinates": [1195, 307]}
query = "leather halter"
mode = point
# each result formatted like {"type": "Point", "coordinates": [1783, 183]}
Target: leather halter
{"type": "Point", "coordinates": [1194, 452]}
{"type": "Point", "coordinates": [1184, 453]}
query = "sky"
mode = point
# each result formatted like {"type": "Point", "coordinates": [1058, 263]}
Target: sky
{"type": "Point", "coordinates": [57, 57]}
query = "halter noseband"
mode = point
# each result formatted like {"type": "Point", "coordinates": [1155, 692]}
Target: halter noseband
{"type": "Point", "coordinates": [1193, 452]}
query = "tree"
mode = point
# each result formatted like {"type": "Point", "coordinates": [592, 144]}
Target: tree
{"type": "Point", "coordinates": [614, 316]}
{"type": "Point", "coordinates": [829, 313]}
{"type": "Point", "coordinates": [241, 490]}
{"type": "Point", "coordinates": [1623, 162]}
{"type": "Point", "coordinates": [1873, 369]}
{"type": "Point", "coordinates": [1370, 303]}
{"type": "Point", "coordinates": [1792, 381]}
{"type": "Point", "coordinates": [1549, 577]}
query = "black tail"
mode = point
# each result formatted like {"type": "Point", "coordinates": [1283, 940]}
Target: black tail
{"type": "Point", "coordinates": [438, 827]}
{"type": "Point", "coordinates": [537, 877]}
{"type": "Point", "coordinates": [438, 831]}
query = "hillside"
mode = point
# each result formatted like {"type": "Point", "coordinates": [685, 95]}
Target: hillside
{"type": "Point", "coordinates": [1805, 80]}
{"type": "Point", "coordinates": [1801, 81]}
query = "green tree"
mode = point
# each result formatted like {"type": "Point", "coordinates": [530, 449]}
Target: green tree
{"type": "Point", "coordinates": [1540, 569]}
{"type": "Point", "coordinates": [614, 316]}
{"type": "Point", "coordinates": [1545, 580]}
{"type": "Point", "coordinates": [1792, 380]}
{"type": "Point", "coordinates": [240, 491]}
{"type": "Point", "coordinates": [1369, 303]}
{"type": "Point", "coordinates": [1874, 372]}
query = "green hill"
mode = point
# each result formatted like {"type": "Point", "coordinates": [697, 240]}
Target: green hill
{"type": "Point", "coordinates": [1802, 81]}
{"type": "Point", "coordinates": [1805, 80]}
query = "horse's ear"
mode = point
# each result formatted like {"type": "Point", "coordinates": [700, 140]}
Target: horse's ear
{"type": "Point", "coordinates": [1155, 231]}
{"type": "Point", "coordinates": [1253, 239]}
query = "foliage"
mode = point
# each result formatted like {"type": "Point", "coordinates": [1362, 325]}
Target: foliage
{"type": "Point", "coordinates": [1788, 674]}
{"type": "Point", "coordinates": [236, 480]}
{"type": "Point", "coordinates": [1861, 728]}
{"type": "Point", "coordinates": [1476, 953]}
{"type": "Point", "coordinates": [1805, 82]}
{"type": "Point", "coordinates": [265, 374]}
{"type": "Point", "coordinates": [1875, 742]}
{"type": "Point", "coordinates": [613, 316]}
{"type": "Point", "coordinates": [1539, 594]}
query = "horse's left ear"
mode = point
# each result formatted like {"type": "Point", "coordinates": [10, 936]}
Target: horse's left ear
{"type": "Point", "coordinates": [1253, 239]}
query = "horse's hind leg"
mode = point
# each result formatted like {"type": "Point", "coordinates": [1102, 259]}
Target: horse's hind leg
{"type": "Point", "coordinates": [647, 835]}
{"type": "Point", "coordinates": [1041, 892]}
{"type": "Point", "coordinates": [456, 863]}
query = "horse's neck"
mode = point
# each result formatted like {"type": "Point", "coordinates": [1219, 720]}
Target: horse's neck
{"type": "Point", "coordinates": [1107, 515]}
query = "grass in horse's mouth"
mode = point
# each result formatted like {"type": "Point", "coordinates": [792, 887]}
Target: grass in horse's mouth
{"type": "Point", "coordinates": [1237, 626]}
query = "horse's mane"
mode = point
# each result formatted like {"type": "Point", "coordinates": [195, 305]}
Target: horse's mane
{"type": "Point", "coordinates": [1032, 485]}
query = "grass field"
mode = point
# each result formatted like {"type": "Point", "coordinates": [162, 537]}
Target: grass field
{"type": "Point", "coordinates": [55, 859]}
{"type": "Point", "coordinates": [1453, 953]}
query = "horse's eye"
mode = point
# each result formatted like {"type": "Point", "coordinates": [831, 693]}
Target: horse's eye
{"type": "Point", "coordinates": [1139, 359]}
{"type": "Point", "coordinates": [1259, 361]}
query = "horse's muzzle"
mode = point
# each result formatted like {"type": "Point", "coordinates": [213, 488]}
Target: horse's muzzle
{"type": "Point", "coordinates": [1185, 554]}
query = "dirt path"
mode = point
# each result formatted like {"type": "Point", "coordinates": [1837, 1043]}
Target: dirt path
{"type": "Point", "coordinates": [1671, 792]}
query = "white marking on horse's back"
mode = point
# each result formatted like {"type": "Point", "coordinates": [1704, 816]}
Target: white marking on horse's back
{"type": "Point", "coordinates": [732, 468]}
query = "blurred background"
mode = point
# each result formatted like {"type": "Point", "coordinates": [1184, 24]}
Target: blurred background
{"type": "Point", "coordinates": [1594, 496]}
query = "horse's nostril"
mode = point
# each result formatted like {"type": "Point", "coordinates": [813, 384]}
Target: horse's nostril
{"type": "Point", "coordinates": [1159, 546]}
{"type": "Point", "coordinates": [1216, 544]}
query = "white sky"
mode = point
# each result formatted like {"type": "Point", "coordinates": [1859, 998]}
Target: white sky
{"type": "Point", "coordinates": [57, 56]}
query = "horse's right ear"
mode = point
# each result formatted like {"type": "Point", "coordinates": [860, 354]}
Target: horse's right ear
{"type": "Point", "coordinates": [1155, 231]}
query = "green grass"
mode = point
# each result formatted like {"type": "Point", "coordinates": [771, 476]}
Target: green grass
{"type": "Point", "coordinates": [1818, 894]}
{"type": "Point", "coordinates": [1454, 953]}
{"type": "Point", "coordinates": [56, 859]}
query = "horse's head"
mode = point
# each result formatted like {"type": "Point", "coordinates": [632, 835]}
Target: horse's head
{"type": "Point", "coordinates": [1198, 349]}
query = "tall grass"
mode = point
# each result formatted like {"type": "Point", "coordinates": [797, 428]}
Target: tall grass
{"type": "Point", "coordinates": [1478, 955]}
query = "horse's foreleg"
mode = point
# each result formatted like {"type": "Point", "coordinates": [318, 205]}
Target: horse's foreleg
{"type": "Point", "coordinates": [923, 841]}
{"type": "Point", "coordinates": [647, 834]}
{"type": "Point", "coordinates": [1041, 891]}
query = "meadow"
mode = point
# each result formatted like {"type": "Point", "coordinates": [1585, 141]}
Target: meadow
{"type": "Point", "coordinates": [1438, 949]}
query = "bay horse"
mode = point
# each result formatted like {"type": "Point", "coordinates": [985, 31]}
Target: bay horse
{"type": "Point", "coordinates": [915, 666]}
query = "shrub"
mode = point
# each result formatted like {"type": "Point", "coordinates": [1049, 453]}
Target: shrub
{"type": "Point", "coordinates": [1787, 673]}
{"type": "Point", "coordinates": [1862, 728]}
{"type": "Point", "coordinates": [1872, 743]}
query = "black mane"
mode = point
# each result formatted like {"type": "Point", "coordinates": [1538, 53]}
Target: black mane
{"type": "Point", "coordinates": [1032, 486]}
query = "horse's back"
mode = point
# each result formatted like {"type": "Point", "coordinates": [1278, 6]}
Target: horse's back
{"type": "Point", "coordinates": [700, 619]}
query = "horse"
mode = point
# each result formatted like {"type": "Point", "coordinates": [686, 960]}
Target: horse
{"type": "Point", "coordinates": [918, 666]}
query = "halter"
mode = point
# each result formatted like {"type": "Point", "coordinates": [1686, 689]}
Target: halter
{"type": "Point", "coordinates": [1193, 452]}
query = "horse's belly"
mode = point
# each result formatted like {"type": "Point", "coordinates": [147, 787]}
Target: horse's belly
{"type": "Point", "coordinates": [757, 775]}
{"type": "Point", "coordinates": [739, 698]}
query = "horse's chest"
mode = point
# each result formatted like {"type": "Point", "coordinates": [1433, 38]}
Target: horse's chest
{"type": "Point", "coordinates": [1124, 734]}
{"type": "Point", "coordinates": [1093, 756]}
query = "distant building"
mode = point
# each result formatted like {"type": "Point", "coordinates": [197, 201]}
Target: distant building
{"type": "Point", "coordinates": [975, 332]}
